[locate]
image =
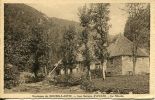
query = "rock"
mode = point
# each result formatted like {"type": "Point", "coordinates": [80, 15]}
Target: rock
{"type": "Point", "coordinates": [130, 92]}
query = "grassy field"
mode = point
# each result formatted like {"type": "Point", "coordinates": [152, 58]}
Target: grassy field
{"type": "Point", "coordinates": [138, 84]}
{"type": "Point", "coordinates": [42, 88]}
{"type": "Point", "coordinates": [124, 84]}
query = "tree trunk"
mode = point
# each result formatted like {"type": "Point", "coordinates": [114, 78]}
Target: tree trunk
{"type": "Point", "coordinates": [104, 65]}
{"type": "Point", "coordinates": [103, 71]}
{"type": "Point", "coordinates": [35, 68]}
{"type": "Point", "coordinates": [134, 64]}
{"type": "Point", "coordinates": [134, 54]}
{"type": "Point", "coordinates": [88, 73]}
{"type": "Point", "coordinates": [65, 71]}
{"type": "Point", "coordinates": [45, 70]}
{"type": "Point", "coordinates": [71, 71]}
{"type": "Point", "coordinates": [35, 74]}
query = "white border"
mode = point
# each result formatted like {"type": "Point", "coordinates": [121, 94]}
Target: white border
{"type": "Point", "coordinates": [152, 50]}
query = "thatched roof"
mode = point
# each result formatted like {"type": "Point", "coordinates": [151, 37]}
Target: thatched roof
{"type": "Point", "coordinates": [123, 47]}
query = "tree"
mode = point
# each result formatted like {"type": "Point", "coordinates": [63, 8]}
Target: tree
{"type": "Point", "coordinates": [137, 28]}
{"type": "Point", "coordinates": [84, 15]}
{"type": "Point", "coordinates": [95, 17]}
{"type": "Point", "coordinates": [20, 36]}
{"type": "Point", "coordinates": [100, 18]}
{"type": "Point", "coordinates": [86, 52]}
{"type": "Point", "coordinates": [68, 49]}
{"type": "Point", "coordinates": [38, 49]}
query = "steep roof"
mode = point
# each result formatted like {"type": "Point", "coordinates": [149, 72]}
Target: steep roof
{"type": "Point", "coordinates": [123, 47]}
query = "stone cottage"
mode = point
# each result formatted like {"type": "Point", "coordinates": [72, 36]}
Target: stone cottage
{"type": "Point", "coordinates": [120, 58]}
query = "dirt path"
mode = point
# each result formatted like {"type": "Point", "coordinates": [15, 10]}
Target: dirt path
{"type": "Point", "coordinates": [41, 87]}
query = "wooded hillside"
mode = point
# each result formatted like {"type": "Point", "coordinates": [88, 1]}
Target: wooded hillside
{"type": "Point", "coordinates": [22, 24]}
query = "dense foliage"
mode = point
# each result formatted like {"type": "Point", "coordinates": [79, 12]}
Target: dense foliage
{"type": "Point", "coordinates": [11, 76]}
{"type": "Point", "coordinates": [69, 46]}
{"type": "Point", "coordinates": [19, 22]}
{"type": "Point", "coordinates": [139, 24]}
{"type": "Point", "coordinates": [67, 80]}
{"type": "Point", "coordinates": [84, 16]}
{"type": "Point", "coordinates": [32, 41]}
{"type": "Point", "coordinates": [94, 19]}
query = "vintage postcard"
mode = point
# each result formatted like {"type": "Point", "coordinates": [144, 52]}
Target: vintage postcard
{"type": "Point", "coordinates": [77, 49]}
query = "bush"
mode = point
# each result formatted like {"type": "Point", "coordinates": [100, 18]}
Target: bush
{"type": "Point", "coordinates": [96, 73]}
{"type": "Point", "coordinates": [40, 77]}
{"type": "Point", "coordinates": [73, 80]}
{"type": "Point", "coordinates": [67, 80]}
{"type": "Point", "coordinates": [27, 77]}
{"type": "Point", "coordinates": [61, 79]}
{"type": "Point", "coordinates": [11, 76]}
{"type": "Point", "coordinates": [87, 85]}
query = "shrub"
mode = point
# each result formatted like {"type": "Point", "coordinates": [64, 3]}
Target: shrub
{"type": "Point", "coordinates": [40, 77]}
{"type": "Point", "coordinates": [60, 79]}
{"type": "Point", "coordinates": [67, 80]}
{"type": "Point", "coordinates": [26, 77]}
{"type": "Point", "coordinates": [73, 80]}
{"type": "Point", "coordinates": [97, 73]}
{"type": "Point", "coordinates": [87, 85]}
{"type": "Point", "coordinates": [11, 76]}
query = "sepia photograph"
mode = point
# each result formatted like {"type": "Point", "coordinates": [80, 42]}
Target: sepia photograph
{"type": "Point", "coordinates": [76, 48]}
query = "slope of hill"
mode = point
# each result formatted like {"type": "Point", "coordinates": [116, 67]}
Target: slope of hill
{"type": "Point", "coordinates": [58, 27]}
{"type": "Point", "coordinates": [19, 21]}
{"type": "Point", "coordinates": [64, 22]}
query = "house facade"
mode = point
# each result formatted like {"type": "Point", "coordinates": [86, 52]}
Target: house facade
{"type": "Point", "coordinates": [120, 60]}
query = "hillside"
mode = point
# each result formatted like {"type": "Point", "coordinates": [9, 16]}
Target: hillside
{"type": "Point", "coordinates": [58, 27]}
{"type": "Point", "coordinates": [20, 21]}
{"type": "Point", "coordinates": [64, 22]}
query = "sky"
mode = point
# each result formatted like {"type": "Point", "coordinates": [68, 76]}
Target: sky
{"type": "Point", "coordinates": [69, 11]}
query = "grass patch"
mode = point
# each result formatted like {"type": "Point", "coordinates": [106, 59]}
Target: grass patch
{"type": "Point", "coordinates": [138, 84]}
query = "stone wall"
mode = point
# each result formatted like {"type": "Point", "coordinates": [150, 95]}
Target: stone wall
{"type": "Point", "coordinates": [114, 66]}
{"type": "Point", "coordinates": [127, 65]}
{"type": "Point", "coordinates": [142, 65]}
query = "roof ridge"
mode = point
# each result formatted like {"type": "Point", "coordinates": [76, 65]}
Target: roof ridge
{"type": "Point", "coordinates": [123, 46]}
